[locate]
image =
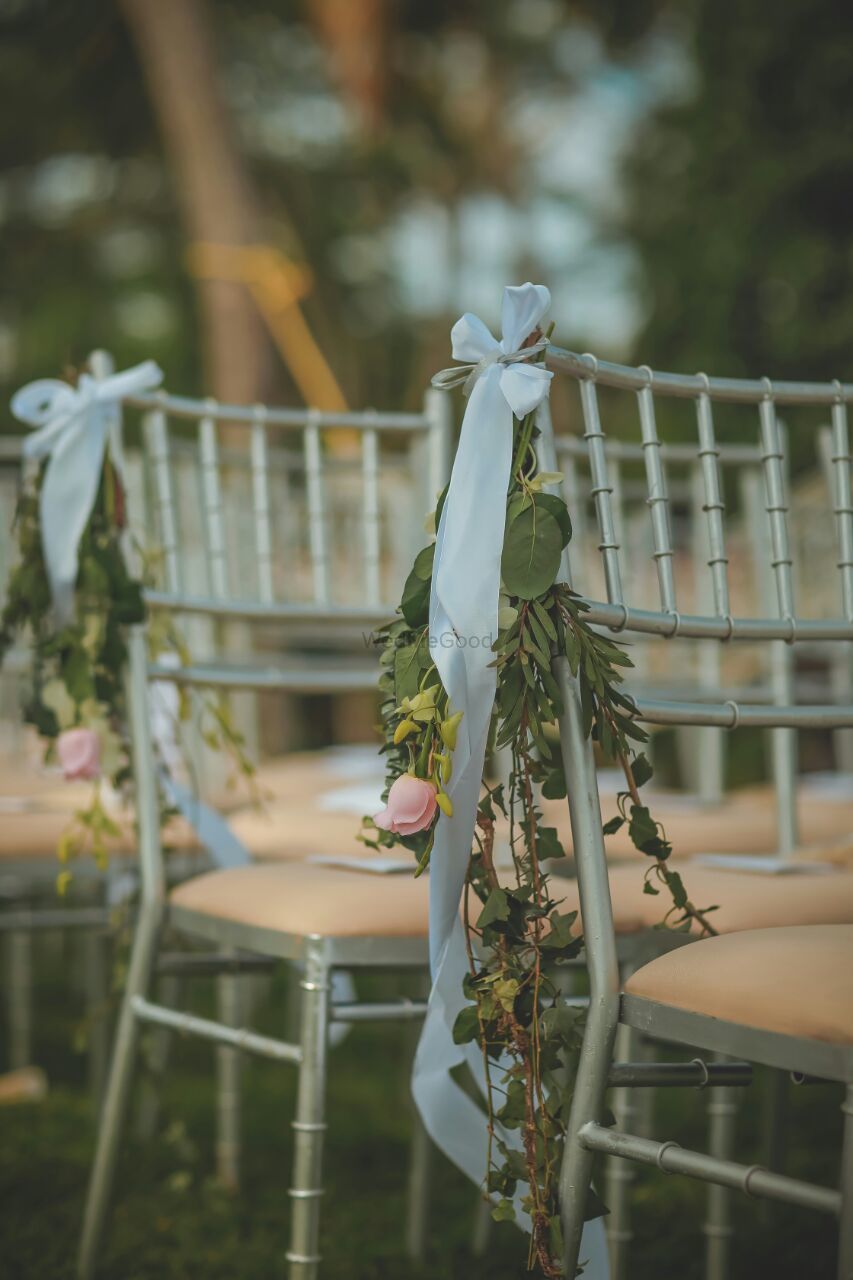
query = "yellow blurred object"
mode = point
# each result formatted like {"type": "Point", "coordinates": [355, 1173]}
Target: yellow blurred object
{"type": "Point", "coordinates": [277, 287]}
{"type": "Point", "coordinates": [27, 1084]}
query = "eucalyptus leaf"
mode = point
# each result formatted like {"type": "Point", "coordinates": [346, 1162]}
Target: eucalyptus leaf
{"type": "Point", "coordinates": [555, 506]}
{"type": "Point", "coordinates": [531, 553]}
{"type": "Point", "coordinates": [414, 604]}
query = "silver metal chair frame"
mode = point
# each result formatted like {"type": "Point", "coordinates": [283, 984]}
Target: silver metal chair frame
{"type": "Point", "coordinates": [702, 747]}
{"type": "Point", "coordinates": [238, 946]}
{"type": "Point", "coordinates": [609, 1008]}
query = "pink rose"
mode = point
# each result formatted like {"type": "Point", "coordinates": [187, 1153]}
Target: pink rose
{"type": "Point", "coordinates": [79, 752]}
{"type": "Point", "coordinates": [411, 806]}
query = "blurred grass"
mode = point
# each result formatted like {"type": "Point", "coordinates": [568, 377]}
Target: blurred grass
{"type": "Point", "coordinates": [172, 1222]}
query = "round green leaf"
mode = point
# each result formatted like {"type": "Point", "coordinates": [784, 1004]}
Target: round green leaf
{"type": "Point", "coordinates": [555, 506]}
{"type": "Point", "coordinates": [531, 553]}
{"type": "Point", "coordinates": [415, 602]}
{"type": "Point", "coordinates": [422, 568]}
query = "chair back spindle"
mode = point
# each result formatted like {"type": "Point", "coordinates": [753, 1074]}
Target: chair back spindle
{"type": "Point", "coordinates": [261, 504]}
{"type": "Point", "coordinates": [724, 607]}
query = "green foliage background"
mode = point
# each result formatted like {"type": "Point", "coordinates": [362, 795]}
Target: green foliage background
{"type": "Point", "coordinates": [734, 200]}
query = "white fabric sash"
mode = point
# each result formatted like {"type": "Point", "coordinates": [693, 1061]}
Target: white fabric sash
{"type": "Point", "coordinates": [74, 425]}
{"type": "Point", "coordinates": [462, 627]}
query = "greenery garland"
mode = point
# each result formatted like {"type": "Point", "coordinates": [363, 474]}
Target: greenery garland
{"type": "Point", "coordinates": [76, 698]}
{"type": "Point", "coordinates": [518, 936]}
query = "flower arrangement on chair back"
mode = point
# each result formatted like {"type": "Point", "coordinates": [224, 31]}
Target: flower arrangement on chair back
{"type": "Point", "coordinates": [74, 592]}
{"type": "Point", "coordinates": [437, 677]}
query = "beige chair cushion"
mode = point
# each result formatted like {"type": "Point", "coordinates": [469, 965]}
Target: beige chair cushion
{"type": "Point", "coordinates": [745, 823]}
{"type": "Point", "coordinates": [34, 832]}
{"type": "Point", "coordinates": [291, 831]}
{"type": "Point", "coordinates": [796, 981]}
{"type": "Point", "coordinates": [293, 822]}
{"type": "Point", "coordinates": [747, 900]}
{"type": "Point", "coordinates": [300, 898]}
{"type": "Point", "coordinates": [306, 774]}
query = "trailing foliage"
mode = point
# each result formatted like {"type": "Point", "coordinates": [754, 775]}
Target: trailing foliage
{"type": "Point", "coordinates": [518, 934]}
{"type": "Point", "coordinates": [77, 671]}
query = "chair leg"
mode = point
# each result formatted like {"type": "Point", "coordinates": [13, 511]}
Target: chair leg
{"type": "Point", "coordinates": [19, 944]}
{"type": "Point", "coordinates": [420, 1156]}
{"type": "Point", "coordinates": [718, 1229]}
{"type": "Point", "coordinates": [620, 1173]}
{"type": "Point", "coordinates": [420, 1168]}
{"type": "Point", "coordinates": [845, 1242]}
{"type": "Point", "coordinates": [228, 1071]}
{"type": "Point", "coordinates": [310, 1124]}
{"type": "Point", "coordinates": [644, 1101]}
{"type": "Point", "coordinates": [116, 1097]}
{"type": "Point", "coordinates": [587, 1105]}
{"type": "Point", "coordinates": [156, 1051]}
{"type": "Point", "coordinates": [97, 963]}
{"type": "Point", "coordinates": [482, 1233]}
{"type": "Point", "coordinates": [774, 1121]}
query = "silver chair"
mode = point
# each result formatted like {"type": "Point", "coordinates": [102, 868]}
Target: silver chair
{"type": "Point", "coordinates": [316, 917]}
{"type": "Point", "coordinates": [701, 750]}
{"type": "Point", "coordinates": [689, 995]}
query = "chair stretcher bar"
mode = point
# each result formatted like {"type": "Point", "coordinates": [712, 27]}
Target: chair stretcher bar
{"type": "Point", "coordinates": [235, 1037]}
{"type": "Point", "coordinates": [731, 715]}
{"type": "Point", "coordinates": [671, 1158]}
{"type": "Point", "coordinates": [651, 1075]}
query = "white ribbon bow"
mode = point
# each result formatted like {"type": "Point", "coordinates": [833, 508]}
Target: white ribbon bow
{"type": "Point", "coordinates": [463, 624]}
{"type": "Point", "coordinates": [74, 425]}
{"type": "Point", "coordinates": [471, 332]}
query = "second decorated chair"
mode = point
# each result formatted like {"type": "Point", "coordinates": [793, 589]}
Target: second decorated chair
{"type": "Point", "coordinates": [243, 574]}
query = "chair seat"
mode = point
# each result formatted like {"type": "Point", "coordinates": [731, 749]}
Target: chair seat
{"type": "Point", "coordinates": [313, 803]}
{"type": "Point", "coordinates": [300, 899]}
{"type": "Point", "coordinates": [744, 823]}
{"type": "Point", "coordinates": [795, 982]}
{"type": "Point", "coordinates": [745, 900]}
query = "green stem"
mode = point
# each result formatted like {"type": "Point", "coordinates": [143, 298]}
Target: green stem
{"type": "Point", "coordinates": [109, 489]}
{"type": "Point", "coordinates": [523, 445]}
{"type": "Point", "coordinates": [423, 757]}
{"type": "Point", "coordinates": [527, 425]}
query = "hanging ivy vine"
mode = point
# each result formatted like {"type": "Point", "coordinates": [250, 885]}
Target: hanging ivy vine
{"type": "Point", "coordinates": [518, 934]}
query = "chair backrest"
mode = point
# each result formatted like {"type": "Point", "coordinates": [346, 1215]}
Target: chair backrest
{"type": "Point", "coordinates": [732, 614]}
{"type": "Point", "coordinates": [693, 556]}
{"type": "Point", "coordinates": [283, 537]}
{"type": "Point", "coordinates": [701, 751]}
{"type": "Point", "coordinates": [285, 515]}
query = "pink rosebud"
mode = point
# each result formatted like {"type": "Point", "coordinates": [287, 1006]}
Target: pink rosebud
{"type": "Point", "coordinates": [79, 752]}
{"type": "Point", "coordinates": [411, 806]}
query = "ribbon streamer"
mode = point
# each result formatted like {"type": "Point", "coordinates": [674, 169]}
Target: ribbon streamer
{"type": "Point", "coordinates": [74, 425]}
{"type": "Point", "coordinates": [463, 624]}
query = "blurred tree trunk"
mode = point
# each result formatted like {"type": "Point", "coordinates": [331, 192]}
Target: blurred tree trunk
{"type": "Point", "coordinates": [176, 49]}
{"type": "Point", "coordinates": [356, 35]}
